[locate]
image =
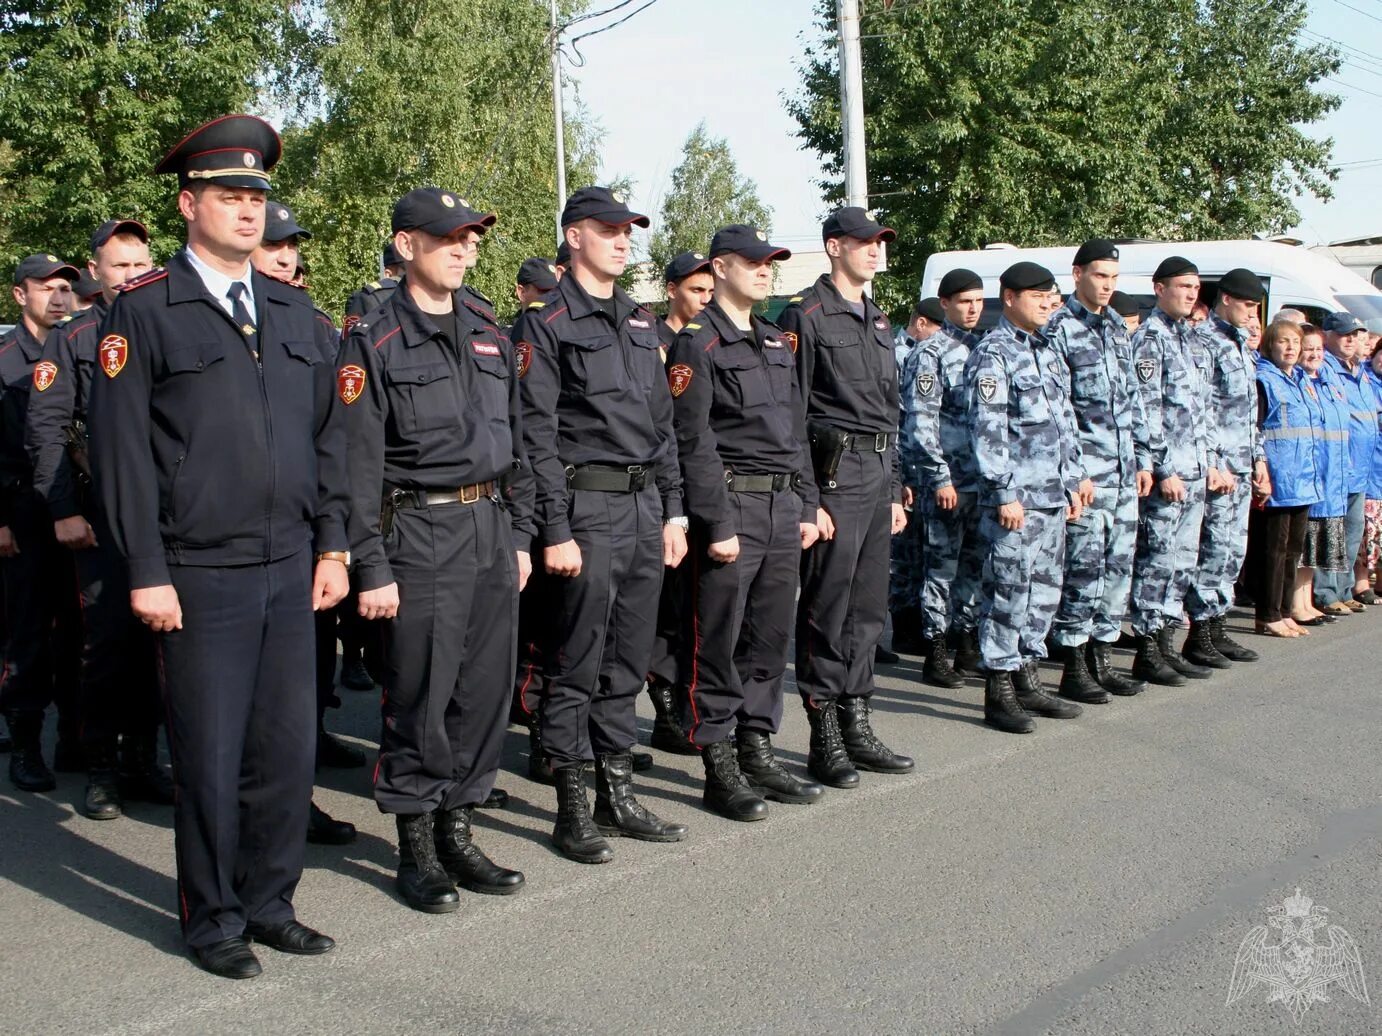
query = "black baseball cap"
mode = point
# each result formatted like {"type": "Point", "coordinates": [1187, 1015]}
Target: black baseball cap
{"type": "Point", "coordinates": [538, 272]}
{"type": "Point", "coordinates": [280, 224]}
{"type": "Point", "coordinates": [1341, 323]}
{"type": "Point", "coordinates": [683, 265]}
{"type": "Point", "coordinates": [41, 266]}
{"type": "Point", "coordinates": [1026, 276]}
{"type": "Point", "coordinates": [1174, 266]}
{"type": "Point", "coordinates": [391, 256]}
{"type": "Point", "coordinates": [852, 221]}
{"type": "Point", "coordinates": [437, 212]}
{"type": "Point", "coordinates": [959, 280]}
{"type": "Point", "coordinates": [1124, 304]}
{"type": "Point", "coordinates": [930, 309]}
{"type": "Point", "coordinates": [234, 150]}
{"type": "Point", "coordinates": [87, 287]}
{"type": "Point", "coordinates": [1094, 250]}
{"type": "Point", "coordinates": [563, 254]}
{"type": "Point", "coordinates": [1242, 284]}
{"type": "Point", "coordinates": [111, 227]}
{"type": "Point", "coordinates": [750, 242]}
{"type": "Point", "coordinates": [603, 205]}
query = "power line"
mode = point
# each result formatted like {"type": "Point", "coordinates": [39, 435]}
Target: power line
{"type": "Point", "coordinates": [1359, 10]}
{"type": "Point", "coordinates": [1350, 86]}
{"type": "Point", "coordinates": [614, 24]}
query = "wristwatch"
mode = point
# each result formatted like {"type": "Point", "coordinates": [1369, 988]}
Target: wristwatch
{"type": "Point", "coordinates": [343, 556]}
{"type": "Point", "coordinates": [683, 523]}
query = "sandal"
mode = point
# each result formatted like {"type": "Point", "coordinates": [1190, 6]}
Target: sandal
{"type": "Point", "coordinates": [1365, 596]}
{"type": "Point", "coordinates": [1283, 631]}
{"type": "Point", "coordinates": [1337, 608]}
{"type": "Point", "coordinates": [1314, 620]}
{"type": "Point", "coordinates": [1354, 606]}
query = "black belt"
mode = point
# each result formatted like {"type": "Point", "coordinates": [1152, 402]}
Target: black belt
{"type": "Point", "coordinates": [875, 443]}
{"type": "Point", "coordinates": [601, 478]}
{"type": "Point", "coordinates": [419, 498]}
{"type": "Point", "coordinates": [759, 483]}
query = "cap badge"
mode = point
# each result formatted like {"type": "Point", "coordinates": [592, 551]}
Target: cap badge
{"type": "Point", "coordinates": [760, 235]}
{"type": "Point", "coordinates": [617, 197]}
{"type": "Point", "coordinates": [448, 201]}
{"type": "Point", "coordinates": [249, 160]}
{"type": "Point", "coordinates": [51, 258]}
{"type": "Point", "coordinates": [551, 269]}
{"type": "Point", "coordinates": [697, 256]}
{"type": "Point", "coordinates": [465, 204]}
{"type": "Point", "coordinates": [282, 213]}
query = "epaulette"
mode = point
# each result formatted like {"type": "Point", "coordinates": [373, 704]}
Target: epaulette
{"type": "Point", "coordinates": [65, 320]}
{"type": "Point", "coordinates": [375, 286]}
{"type": "Point", "coordinates": [692, 327]}
{"type": "Point", "coordinates": [156, 274]}
{"type": "Point", "coordinates": [794, 298]}
{"type": "Point", "coordinates": [536, 304]}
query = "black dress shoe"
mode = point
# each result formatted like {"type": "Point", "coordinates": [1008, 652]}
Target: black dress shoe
{"type": "Point", "coordinates": [335, 754]}
{"type": "Point", "coordinates": [291, 937]}
{"type": "Point", "coordinates": [883, 656]}
{"type": "Point", "coordinates": [324, 829]}
{"type": "Point", "coordinates": [497, 798]}
{"type": "Point", "coordinates": [354, 675]}
{"type": "Point", "coordinates": [229, 958]}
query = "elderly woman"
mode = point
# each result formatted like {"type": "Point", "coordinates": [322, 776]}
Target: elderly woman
{"type": "Point", "coordinates": [1372, 508]}
{"type": "Point", "coordinates": [1288, 439]}
{"type": "Point", "coordinates": [1325, 541]}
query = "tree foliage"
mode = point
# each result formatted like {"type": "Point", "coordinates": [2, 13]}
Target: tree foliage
{"type": "Point", "coordinates": [1040, 122]}
{"type": "Point", "coordinates": [707, 193]}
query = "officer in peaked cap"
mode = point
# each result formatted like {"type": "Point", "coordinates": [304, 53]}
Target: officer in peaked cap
{"type": "Point", "coordinates": [219, 458]}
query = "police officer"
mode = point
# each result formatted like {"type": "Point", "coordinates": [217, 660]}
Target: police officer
{"type": "Point", "coordinates": [749, 490]}
{"type": "Point", "coordinates": [1090, 340]}
{"type": "Point", "coordinates": [905, 567]}
{"type": "Point", "coordinates": [43, 629]}
{"type": "Point", "coordinates": [1128, 308]}
{"type": "Point", "coordinates": [942, 468]}
{"type": "Point", "coordinates": [1171, 376]}
{"type": "Point", "coordinates": [218, 456]}
{"type": "Point", "coordinates": [848, 378]}
{"type": "Point", "coordinates": [119, 681]}
{"type": "Point", "coordinates": [431, 397]}
{"type": "Point", "coordinates": [597, 425]}
{"type": "Point", "coordinates": [1031, 483]}
{"type": "Point", "coordinates": [85, 293]}
{"type": "Point", "coordinates": [1234, 461]}
{"type": "Point", "coordinates": [690, 284]}
{"type": "Point", "coordinates": [375, 293]}
{"type": "Point", "coordinates": [536, 277]}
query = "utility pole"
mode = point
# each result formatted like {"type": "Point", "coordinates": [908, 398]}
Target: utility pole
{"type": "Point", "coordinates": [852, 110]}
{"type": "Point", "coordinates": [557, 113]}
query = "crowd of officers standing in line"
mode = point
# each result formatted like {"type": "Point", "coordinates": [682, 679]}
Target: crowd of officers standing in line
{"type": "Point", "coordinates": [535, 523]}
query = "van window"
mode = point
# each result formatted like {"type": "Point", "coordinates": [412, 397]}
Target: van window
{"type": "Point", "coordinates": [1377, 276]}
{"type": "Point", "coordinates": [1364, 307]}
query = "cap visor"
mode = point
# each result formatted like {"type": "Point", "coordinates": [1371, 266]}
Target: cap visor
{"type": "Point", "coordinates": [447, 227]}
{"type": "Point", "coordinates": [131, 226]}
{"type": "Point", "coordinates": [758, 253]}
{"type": "Point", "coordinates": [253, 183]}
{"type": "Point", "coordinates": [884, 234]}
{"type": "Point", "coordinates": [621, 218]}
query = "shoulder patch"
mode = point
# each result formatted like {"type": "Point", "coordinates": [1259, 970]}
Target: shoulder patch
{"type": "Point", "coordinates": [156, 274]}
{"type": "Point", "coordinates": [791, 337]}
{"type": "Point", "coordinates": [523, 356]}
{"type": "Point", "coordinates": [679, 377]}
{"type": "Point", "coordinates": [350, 382]}
{"type": "Point", "coordinates": [536, 304]}
{"type": "Point", "coordinates": [45, 373]}
{"type": "Point", "coordinates": [988, 388]}
{"type": "Point", "coordinates": [113, 351]}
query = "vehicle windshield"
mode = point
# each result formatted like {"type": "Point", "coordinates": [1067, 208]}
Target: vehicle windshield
{"type": "Point", "coordinates": [1364, 307]}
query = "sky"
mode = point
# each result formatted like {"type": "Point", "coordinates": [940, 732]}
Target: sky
{"type": "Point", "coordinates": [646, 86]}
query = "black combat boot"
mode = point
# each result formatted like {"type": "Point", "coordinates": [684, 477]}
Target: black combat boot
{"type": "Point", "coordinates": [463, 861]}
{"type": "Point", "coordinates": [575, 833]}
{"type": "Point", "coordinates": [668, 733]}
{"type": "Point", "coordinates": [727, 792]}
{"type": "Point", "coordinates": [1101, 661]}
{"type": "Point", "coordinates": [865, 749]}
{"type": "Point", "coordinates": [1033, 697]}
{"type": "Point", "coordinates": [102, 798]}
{"type": "Point", "coordinates": [967, 660]}
{"type": "Point", "coordinates": [1226, 645]}
{"type": "Point", "coordinates": [907, 638]}
{"type": "Point", "coordinates": [1077, 683]}
{"type": "Point", "coordinates": [28, 771]}
{"type": "Point", "coordinates": [1175, 659]}
{"type": "Point", "coordinates": [769, 777]}
{"type": "Point", "coordinates": [1148, 664]}
{"type": "Point", "coordinates": [335, 754]}
{"type": "Point", "coordinates": [354, 675]}
{"type": "Point", "coordinates": [421, 881]}
{"type": "Point", "coordinates": [324, 829]}
{"type": "Point", "coordinates": [828, 761]}
{"type": "Point", "coordinates": [939, 670]}
{"type": "Point", "coordinates": [1001, 708]}
{"type": "Point", "coordinates": [539, 765]}
{"type": "Point", "coordinates": [1200, 649]}
{"type": "Point", "coordinates": [617, 812]}
{"type": "Point", "coordinates": [142, 779]}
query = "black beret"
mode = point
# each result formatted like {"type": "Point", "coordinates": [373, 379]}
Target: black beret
{"type": "Point", "coordinates": [852, 221]}
{"type": "Point", "coordinates": [234, 150]}
{"type": "Point", "coordinates": [1094, 250]}
{"type": "Point", "coordinates": [603, 205]}
{"type": "Point", "coordinates": [538, 272]}
{"type": "Point", "coordinates": [1242, 284]}
{"type": "Point", "coordinates": [111, 227]}
{"type": "Point", "coordinates": [1026, 276]}
{"type": "Point", "coordinates": [1174, 266]}
{"type": "Point", "coordinates": [683, 265]}
{"type": "Point", "coordinates": [1124, 304]}
{"type": "Point", "coordinates": [960, 280]}
{"type": "Point", "coordinates": [437, 212]}
{"type": "Point", "coordinates": [750, 242]}
{"type": "Point", "coordinates": [42, 266]}
{"type": "Point", "coordinates": [930, 309]}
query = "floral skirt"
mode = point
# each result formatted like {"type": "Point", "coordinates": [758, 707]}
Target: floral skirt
{"type": "Point", "coordinates": [1372, 533]}
{"type": "Point", "coordinates": [1326, 546]}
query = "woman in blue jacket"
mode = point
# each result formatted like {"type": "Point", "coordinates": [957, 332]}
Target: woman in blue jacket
{"type": "Point", "coordinates": [1372, 510]}
{"type": "Point", "coordinates": [1325, 547]}
{"type": "Point", "coordinates": [1288, 439]}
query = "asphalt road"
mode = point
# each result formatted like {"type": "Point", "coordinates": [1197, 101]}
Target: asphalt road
{"type": "Point", "coordinates": [1096, 876]}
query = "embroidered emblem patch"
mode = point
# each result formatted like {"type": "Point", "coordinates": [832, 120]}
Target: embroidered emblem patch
{"type": "Point", "coordinates": [523, 356]}
{"type": "Point", "coordinates": [485, 348]}
{"type": "Point", "coordinates": [791, 337]}
{"type": "Point", "coordinates": [115, 350]}
{"type": "Point", "coordinates": [348, 323]}
{"type": "Point", "coordinates": [679, 378]}
{"type": "Point", "coordinates": [1146, 370]}
{"type": "Point", "coordinates": [926, 381]}
{"type": "Point", "coordinates": [988, 388]}
{"type": "Point", "coordinates": [350, 382]}
{"type": "Point", "coordinates": [45, 373]}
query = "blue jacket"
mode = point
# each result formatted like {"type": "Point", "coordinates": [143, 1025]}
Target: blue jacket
{"type": "Point", "coordinates": [1288, 436]}
{"type": "Point", "coordinates": [1362, 428]}
{"type": "Point", "coordinates": [1329, 408]}
{"type": "Point", "coordinates": [1375, 469]}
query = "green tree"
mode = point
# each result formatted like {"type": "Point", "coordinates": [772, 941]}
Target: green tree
{"type": "Point", "coordinates": [707, 192]}
{"type": "Point", "coordinates": [453, 93]}
{"type": "Point", "coordinates": [93, 92]}
{"type": "Point", "coordinates": [1040, 122]}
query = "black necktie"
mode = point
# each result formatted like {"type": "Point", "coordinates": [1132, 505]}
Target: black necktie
{"type": "Point", "coordinates": [240, 313]}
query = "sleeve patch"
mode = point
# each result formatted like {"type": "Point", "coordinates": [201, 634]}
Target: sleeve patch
{"type": "Point", "coordinates": [350, 383]}
{"type": "Point", "coordinates": [348, 323]}
{"type": "Point", "coordinates": [791, 337]}
{"type": "Point", "coordinates": [988, 388]}
{"type": "Point", "coordinates": [45, 373]}
{"type": "Point", "coordinates": [523, 356]}
{"type": "Point", "coordinates": [114, 350]}
{"type": "Point", "coordinates": [679, 377]}
{"type": "Point", "coordinates": [1146, 370]}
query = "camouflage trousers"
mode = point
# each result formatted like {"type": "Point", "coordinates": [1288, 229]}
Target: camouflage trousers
{"type": "Point", "coordinates": [904, 571]}
{"type": "Point", "coordinates": [952, 565]}
{"type": "Point", "coordinates": [1098, 568]}
{"type": "Point", "coordinates": [1023, 571]}
{"type": "Point", "coordinates": [1223, 542]}
{"type": "Point", "coordinates": [1168, 546]}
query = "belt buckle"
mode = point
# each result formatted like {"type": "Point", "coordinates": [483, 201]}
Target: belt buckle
{"type": "Point", "coordinates": [470, 494]}
{"type": "Point", "coordinates": [638, 477]}
{"type": "Point", "coordinates": [880, 442]}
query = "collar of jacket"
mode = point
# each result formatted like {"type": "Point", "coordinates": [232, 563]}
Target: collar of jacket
{"type": "Point", "coordinates": [580, 305]}
{"type": "Point", "coordinates": [186, 285]}
{"type": "Point", "coordinates": [833, 302]}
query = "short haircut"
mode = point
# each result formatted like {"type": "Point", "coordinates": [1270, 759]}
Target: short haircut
{"type": "Point", "coordinates": [1275, 330]}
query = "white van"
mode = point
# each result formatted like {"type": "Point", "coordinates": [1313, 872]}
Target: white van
{"type": "Point", "coordinates": [1294, 277]}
